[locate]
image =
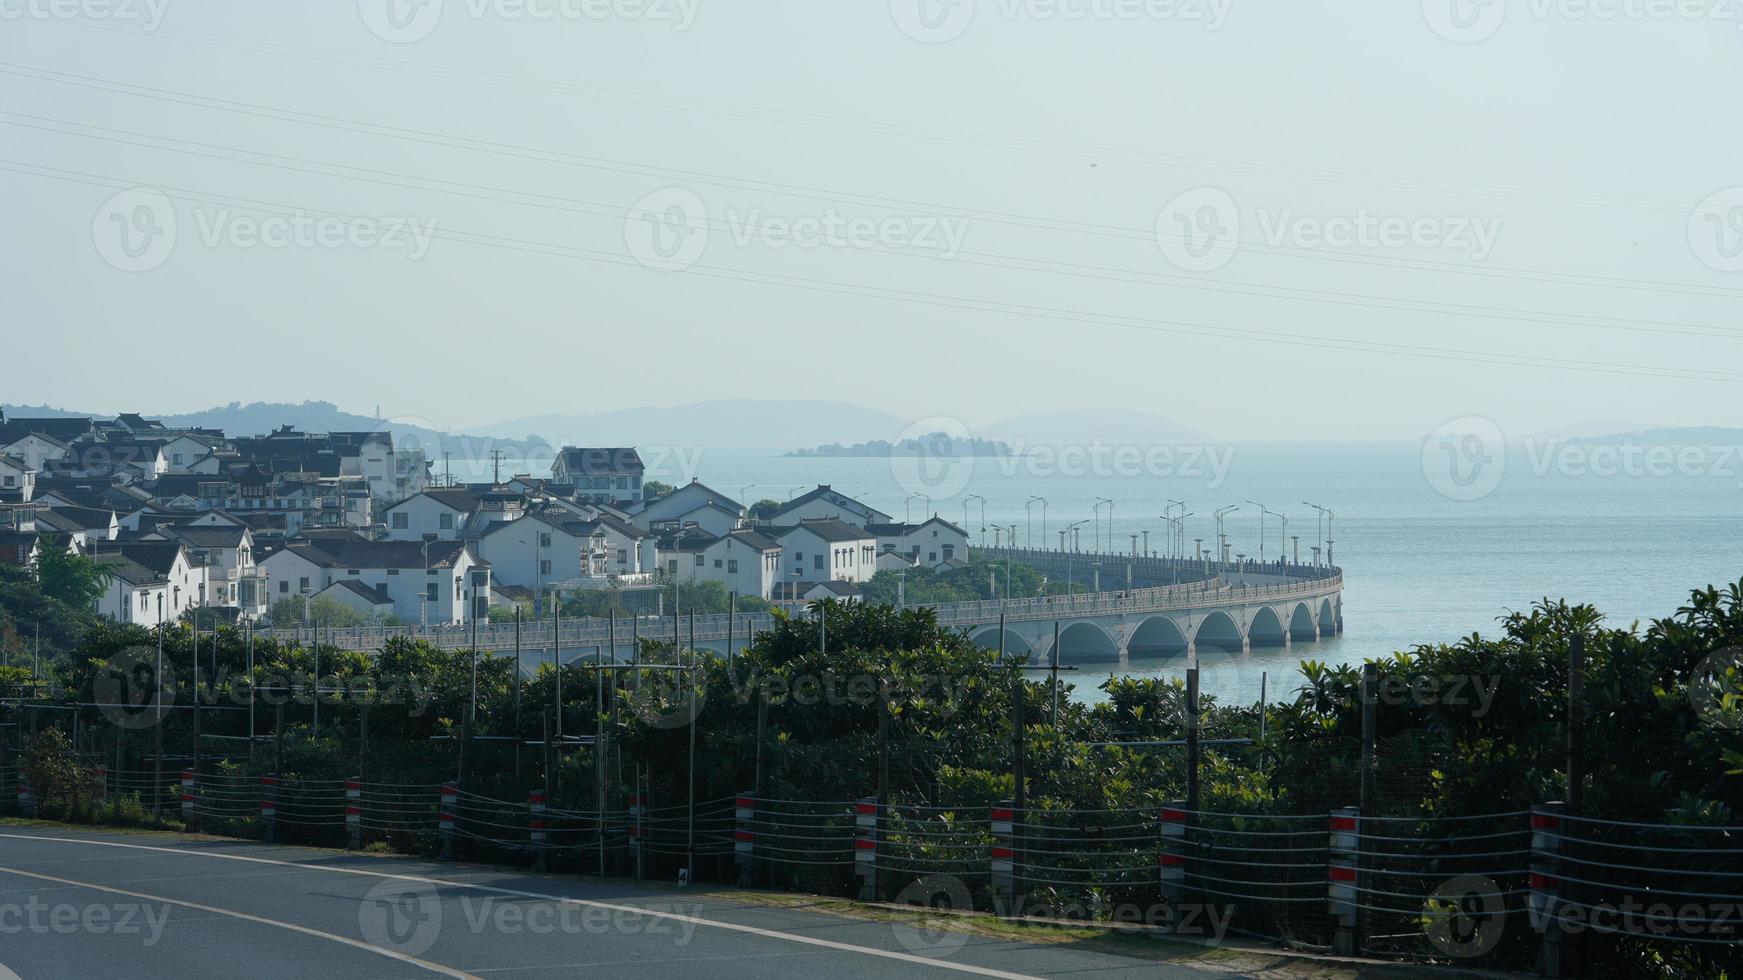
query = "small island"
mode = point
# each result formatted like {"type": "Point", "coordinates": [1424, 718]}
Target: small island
{"type": "Point", "coordinates": [932, 444]}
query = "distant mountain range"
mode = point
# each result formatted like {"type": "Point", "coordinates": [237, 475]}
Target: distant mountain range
{"type": "Point", "coordinates": [931, 444]}
{"type": "Point", "coordinates": [259, 418]}
{"type": "Point", "coordinates": [737, 424]}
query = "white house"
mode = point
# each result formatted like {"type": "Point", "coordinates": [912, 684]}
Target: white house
{"type": "Point", "coordinates": [80, 525]}
{"type": "Point", "coordinates": [444, 582]}
{"type": "Point", "coordinates": [683, 501]}
{"type": "Point", "coordinates": [442, 512]}
{"type": "Point", "coordinates": [930, 544]}
{"type": "Point", "coordinates": [227, 550]}
{"type": "Point", "coordinates": [182, 452]}
{"type": "Point", "coordinates": [714, 517]}
{"type": "Point", "coordinates": [746, 561]}
{"type": "Point", "coordinates": [38, 450]}
{"type": "Point", "coordinates": [825, 502]}
{"type": "Point", "coordinates": [17, 480]}
{"type": "Point", "coordinates": [827, 550]}
{"type": "Point", "coordinates": [601, 475]}
{"type": "Point", "coordinates": [542, 548]}
{"type": "Point", "coordinates": [356, 596]}
{"type": "Point", "coordinates": [144, 570]}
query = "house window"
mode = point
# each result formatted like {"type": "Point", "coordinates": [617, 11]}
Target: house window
{"type": "Point", "coordinates": [401, 520]}
{"type": "Point", "coordinates": [445, 521]}
{"type": "Point", "coordinates": [700, 560]}
{"type": "Point", "coordinates": [672, 565]}
{"type": "Point", "coordinates": [544, 539]}
{"type": "Point", "coordinates": [283, 587]}
{"type": "Point", "coordinates": [732, 565]}
{"type": "Point", "coordinates": [817, 562]}
{"type": "Point", "coordinates": [545, 567]}
{"type": "Point", "coordinates": [931, 557]}
{"type": "Point", "coordinates": [430, 593]}
{"type": "Point", "coordinates": [302, 585]}
{"type": "Point", "coordinates": [949, 552]}
{"type": "Point", "coordinates": [716, 563]}
{"type": "Point", "coordinates": [622, 556]}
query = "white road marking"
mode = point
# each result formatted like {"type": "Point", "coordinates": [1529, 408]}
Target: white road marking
{"type": "Point", "coordinates": [228, 913]}
{"type": "Point", "coordinates": [585, 902]}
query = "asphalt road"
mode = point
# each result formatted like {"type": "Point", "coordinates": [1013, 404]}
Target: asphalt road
{"type": "Point", "coordinates": [88, 905]}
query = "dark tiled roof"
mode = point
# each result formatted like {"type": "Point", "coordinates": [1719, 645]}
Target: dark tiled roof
{"type": "Point", "coordinates": [831, 496]}
{"type": "Point", "coordinates": [227, 536]}
{"type": "Point", "coordinates": [589, 461]}
{"type": "Point", "coordinates": [366, 593]}
{"type": "Point", "coordinates": [357, 553]}
{"type": "Point", "coordinates": [827, 528]}
{"type": "Point", "coordinates": [157, 556]}
{"type": "Point", "coordinates": [755, 539]}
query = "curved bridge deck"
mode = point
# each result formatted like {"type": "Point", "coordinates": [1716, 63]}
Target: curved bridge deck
{"type": "Point", "coordinates": [1204, 605]}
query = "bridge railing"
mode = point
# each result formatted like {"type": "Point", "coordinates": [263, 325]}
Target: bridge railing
{"type": "Point", "coordinates": [581, 633]}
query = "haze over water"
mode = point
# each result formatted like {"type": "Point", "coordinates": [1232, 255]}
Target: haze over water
{"type": "Point", "coordinates": [1418, 567]}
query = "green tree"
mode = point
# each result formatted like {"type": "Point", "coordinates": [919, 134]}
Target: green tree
{"type": "Point", "coordinates": [764, 508]}
{"type": "Point", "coordinates": [654, 488]}
{"type": "Point", "coordinates": [68, 576]}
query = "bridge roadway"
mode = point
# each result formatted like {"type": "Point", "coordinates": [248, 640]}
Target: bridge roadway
{"type": "Point", "coordinates": [1203, 607]}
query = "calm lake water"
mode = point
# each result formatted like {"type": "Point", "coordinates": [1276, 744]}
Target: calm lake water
{"type": "Point", "coordinates": [1419, 566]}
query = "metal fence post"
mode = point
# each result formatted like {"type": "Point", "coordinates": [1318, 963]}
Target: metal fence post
{"type": "Point", "coordinates": [865, 847]}
{"type": "Point", "coordinates": [536, 826]}
{"type": "Point", "coordinates": [445, 821]}
{"type": "Point", "coordinates": [188, 819]}
{"type": "Point", "coordinates": [1544, 903]}
{"type": "Point", "coordinates": [1342, 863]}
{"type": "Point", "coordinates": [744, 837]}
{"type": "Point", "coordinates": [1173, 858]}
{"type": "Point", "coordinates": [636, 809]}
{"type": "Point", "coordinates": [1004, 857]}
{"type": "Point", "coordinates": [269, 807]}
{"type": "Point", "coordinates": [354, 813]}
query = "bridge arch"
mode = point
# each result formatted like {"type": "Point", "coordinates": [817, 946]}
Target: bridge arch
{"type": "Point", "coordinates": [987, 637]}
{"type": "Point", "coordinates": [1301, 625]}
{"type": "Point", "coordinates": [1328, 618]}
{"type": "Point", "coordinates": [1218, 633]}
{"type": "Point", "coordinates": [1266, 629]}
{"type": "Point", "coordinates": [1086, 642]}
{"type": "Point", "coordinates": [1158, 636]}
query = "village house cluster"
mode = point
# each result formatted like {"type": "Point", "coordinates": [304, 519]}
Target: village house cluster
{"type": "Point", "coordinates": [193, 518]}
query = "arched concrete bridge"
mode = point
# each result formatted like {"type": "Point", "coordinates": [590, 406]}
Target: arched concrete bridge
{"type": "Point", "coordinates": [1206, 608]}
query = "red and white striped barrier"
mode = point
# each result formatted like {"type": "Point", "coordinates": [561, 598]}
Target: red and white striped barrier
{"type": "Point", "coordinates": [744, 837]}
{"type": "Point", "coordinates": [26, 805]}
{"type": "Point", "coordinates": [188, 797]}
{"type": "Point", "coordinates": [1004, 853]}
{"type": "Point", "coordinates": [865, 847]}
{"type": "Point", "coordinates": [1342, 864]}
{"type": "Point", "coordinates": [445, 820]}
{"type": "Point", "coordinates": [354, 811]}
{"type": "Point", "coordinates": [1172, 860]}
{"type": "Point", "coordinates": [269, 805]}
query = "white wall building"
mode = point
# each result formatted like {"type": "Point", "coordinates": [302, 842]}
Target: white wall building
{"type": "Point", "coordinates": [445, 583]}
{"type": "Point", "coordinates": [442, 512]}
{"type": "Point", "coordinates": [827, 550]}
{"type": "Point", "coordinates": [825, 502]}
{"type": "Point", "coordinates": [930, 544]}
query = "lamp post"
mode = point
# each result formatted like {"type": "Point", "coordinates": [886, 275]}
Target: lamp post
{"type": "Point", "coordinates": [1010, 529]}
{"type": "Point", "coordinates": [908, 505]}
{"type": "Point", "coordinates": [1029, 538]}
{"type": "Point", "coordinates": [1318, 527]}
{"type": "Point", "coordinates": [1221, 538]}
{"type": "Point", "coordinates": [1167, 512]}
{"type": "Point", "coordinates": [424, 606]}
{"type": "Point", "coordinates": [976, 496]}
{"type": "Point", "coordinates": [1263, 510]}
{"type": "Point", "coordinates": [793, 490]}
{"type": "Point", "coordinates": [743, 498]}
{"type": "Point", "coordinates": [1070, 585]}
{"type": "Point", "coordinates": [1096, 510]}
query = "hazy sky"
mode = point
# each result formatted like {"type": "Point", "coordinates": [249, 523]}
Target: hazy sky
{"type": "Point", "coordinates": [1026, 191]}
